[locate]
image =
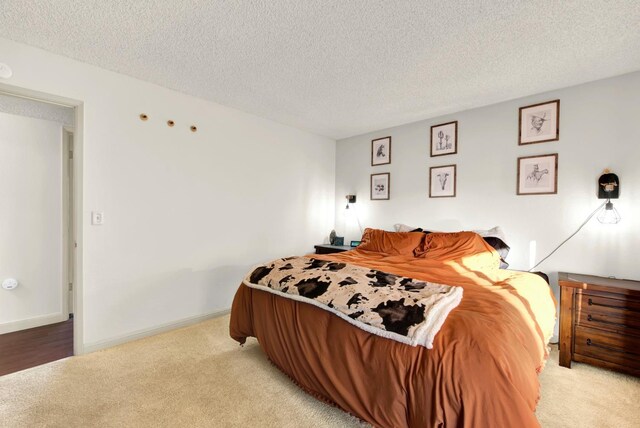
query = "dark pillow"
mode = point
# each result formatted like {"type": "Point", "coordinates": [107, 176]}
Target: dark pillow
{"type": "Point", "coordinates": [501, 248]}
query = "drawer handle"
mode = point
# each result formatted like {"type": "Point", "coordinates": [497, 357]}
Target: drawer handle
{"type": "Point", "coordinates": [622, 351]}
{"type": "Point", "coordinates": [592, 319]}
{"type": "Point", "coordinates": [590, 302]}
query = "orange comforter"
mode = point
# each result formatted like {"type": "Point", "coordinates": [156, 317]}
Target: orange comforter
{"type": "Point", "coordinates": [483, 368]}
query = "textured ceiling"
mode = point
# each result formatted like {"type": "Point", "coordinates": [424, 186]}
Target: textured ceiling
{"type": "Point", "coordinates": [340, 68]}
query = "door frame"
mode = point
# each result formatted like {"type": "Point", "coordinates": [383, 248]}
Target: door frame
{"type": "Point", "coordinates": [68, 234]}
{"type": "Point", "coordinates": [76, 209]}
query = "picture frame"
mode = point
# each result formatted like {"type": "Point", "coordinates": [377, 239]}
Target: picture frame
{"type": "Point", "coordinates": [538, 175]}
{"type": "Point", "coordinates": [381, 151]}
{"type": "Point", "coordinates": [539, 123]}
{"type": "Point", "coordinates": [380, 186]}
{"type": "Point", "coordinates": [442, 181]}
{"type": "Point", "coordinates": [444, 139]}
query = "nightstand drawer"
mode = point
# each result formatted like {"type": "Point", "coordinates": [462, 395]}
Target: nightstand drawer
{"type": "Point", "coordinates": [615, 313]}
{"type": "Point", "coordinates": [610, 347]}
{"type": "Point", "coordinates": [619, 321]}
{"type": "Point", "coordinates": [606, 303]}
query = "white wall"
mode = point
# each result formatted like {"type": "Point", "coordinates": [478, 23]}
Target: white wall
{"type": "Point", "coordinates": [598, 129]}
{"type": "Point", "coordinates": [30, 221]}
{"type": "Point", "coordinates": [186, 214]}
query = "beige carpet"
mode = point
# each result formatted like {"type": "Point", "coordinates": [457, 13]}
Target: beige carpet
{"type": "Point", "coordinates": [198, 377]}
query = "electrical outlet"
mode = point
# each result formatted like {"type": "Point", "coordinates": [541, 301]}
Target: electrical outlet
{"type": "Point", "coordinates": [97, 218]}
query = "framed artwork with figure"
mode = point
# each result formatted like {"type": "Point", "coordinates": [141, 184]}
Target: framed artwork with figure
{"type": "Point", "coordinates": [539, 123]}
{"type": "Point", "coordinates": [538, 175]}
{"type": "Point", "coordinates": [381, 151]}
{"type": "Point", "coordinates": [444, 139]}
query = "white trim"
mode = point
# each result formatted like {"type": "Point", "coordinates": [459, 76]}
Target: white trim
{"type": "Point", "coordinates": [11, 326]}
{"type": "Point", "coordinates": [16, 91]}
{"type": "Point", "coordinates": [78, 222]}
{"type": "Point", "coordinates": [67, 215]}
{"type": "Point", "coordinates": [140, 334]}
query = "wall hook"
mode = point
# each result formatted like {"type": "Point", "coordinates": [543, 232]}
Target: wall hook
{"type": "Point", "coordinates": [170, 123]}
{"type": "Point", "coordinates": [193, 128]}
{"type": "Point", "coordinates": [143, 117]}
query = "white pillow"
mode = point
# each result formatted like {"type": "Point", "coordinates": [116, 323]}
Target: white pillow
{"type": "Point", "coordinates": [399, 227]}
{"type": "Point", "coordinates": [496, 232]}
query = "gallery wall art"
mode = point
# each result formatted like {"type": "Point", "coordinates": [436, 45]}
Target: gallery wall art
{"type": "Point", "coordinates": [444, 139]}
{"type": "Point", "coordinates": [380, 186]}
{"type": "Point", "coordinates": [442, 181]}
{"type": "Point", "coordinates": [381, 151]}
{"type": "Point", "coordinates": [538, 175]}
{"type": "Point", "coordinates": [539, 123]}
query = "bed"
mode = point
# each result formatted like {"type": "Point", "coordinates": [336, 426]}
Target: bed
{"type": "Point", "coordinates": [482, 370]}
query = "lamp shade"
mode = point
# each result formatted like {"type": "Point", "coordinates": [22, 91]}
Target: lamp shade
{"type": "Point", "coordinates": [608, 214]}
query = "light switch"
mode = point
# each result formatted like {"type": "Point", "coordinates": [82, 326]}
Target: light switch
{"type": "Point", "coordinates": [97, 218]}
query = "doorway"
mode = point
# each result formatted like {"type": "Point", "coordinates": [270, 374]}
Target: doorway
{"type": "Point", "coordinates": [39, 314]}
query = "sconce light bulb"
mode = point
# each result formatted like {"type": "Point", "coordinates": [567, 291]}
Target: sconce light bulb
{"type": "Point", "coordinates": [609, 215]}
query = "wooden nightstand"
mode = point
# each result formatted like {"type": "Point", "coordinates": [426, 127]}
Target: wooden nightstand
{"type": "Point", "coordinates": [600, 322]}
{"type": "Point", "coordinates": [328, 249]}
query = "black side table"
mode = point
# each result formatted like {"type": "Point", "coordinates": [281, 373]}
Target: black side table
{"type": "Point", "coordinates": [328, 249]}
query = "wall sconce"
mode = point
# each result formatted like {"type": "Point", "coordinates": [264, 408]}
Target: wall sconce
{"type": "Point", "coordinates": [608, 188]}
{"type": "Point", "coordinates": [351, 199]}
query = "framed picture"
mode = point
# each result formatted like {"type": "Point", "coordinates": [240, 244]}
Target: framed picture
{"type": "Point", "coordinates": [444, 139]}
{"type": "Point", "coordinates": [380, 186]}
{"type": "Point", "coordinates": [538, 175]}
{"type": "Point", "coordinates": [442, 181]}
{"type": "Point", "coordinates": [381, 151]}
{"type": "Point", "coordinates": [539, 123]}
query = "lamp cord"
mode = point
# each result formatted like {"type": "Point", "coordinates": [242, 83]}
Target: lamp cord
{"type": "Point", "coordinates": [359, 224]}
{"type": "Point", "coordinates": [570, 236]}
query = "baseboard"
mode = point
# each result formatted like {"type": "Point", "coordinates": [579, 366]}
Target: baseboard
{"type": "Point", "coordinates": [185, 322]}
{"type": "Point", "coordinates": [11, 326]}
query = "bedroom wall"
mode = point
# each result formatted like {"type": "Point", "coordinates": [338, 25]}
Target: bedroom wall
{"type": "Point", "coordinates": [598, 129]}
{"type": "Point", "coordinates": [30, 221]}
{"type": "Point", "coordinates": [185, 214]}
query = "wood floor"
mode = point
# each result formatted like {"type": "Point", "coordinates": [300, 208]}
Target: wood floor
{"type": "Point", "coordinates": [29, 348]}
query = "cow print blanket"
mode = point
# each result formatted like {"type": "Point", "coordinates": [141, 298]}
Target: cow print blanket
{"type": "Point", "coordinates": [404, 309]}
